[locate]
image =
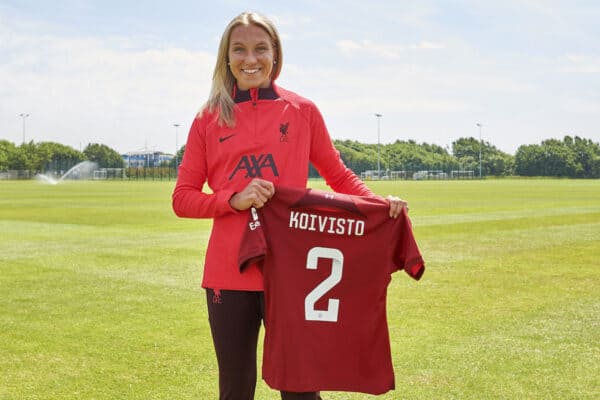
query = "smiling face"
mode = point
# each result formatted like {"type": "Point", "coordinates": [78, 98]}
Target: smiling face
{"type": "Point", "coordinates": [251, 56]}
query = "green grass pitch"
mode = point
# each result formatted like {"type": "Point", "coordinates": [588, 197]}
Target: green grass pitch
{"type": "Point", "coordinates": [100, 293]}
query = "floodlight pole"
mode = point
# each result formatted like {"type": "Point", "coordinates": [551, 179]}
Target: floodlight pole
{"type": "Point", "coordinates": [23, 116]}
{"type": "Point", "coordinates": [480, 144]}
{"type": "Point", "coordinates": [378, 145]}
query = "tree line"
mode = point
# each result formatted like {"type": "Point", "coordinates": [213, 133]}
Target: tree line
{"type": "Point", "coordinates": [51, 156]}
{"type": "Point", "coordinates": [572, 157]}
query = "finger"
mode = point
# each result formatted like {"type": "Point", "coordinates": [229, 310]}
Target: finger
{"type": "Point", "coordinates": [265, 187]}
{"type": "Point", "coordinates": [262, 195]}
{"type": "Point", "coordinates": [404, 206]}
{"type": "Point", "coordinates": [395, 210]}
{"type": "Point", "coordinates": [393, 202]}
{"type": "Point", "coordinates": [260, 198]}
{"type": "Point", "coordinates": [259, 202]}
{"type": "Point", "coordinates": [396, 205]}
{"type": "Point", "coordinates": [268, 188]}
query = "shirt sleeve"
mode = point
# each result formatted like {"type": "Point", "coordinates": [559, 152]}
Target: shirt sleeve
{"type": "Point", "coordinates": [188, 199]}
{"type": "Point", "coordinates": [326, 159]}
{"type": "Point", "coordinates": [254, 245]}
{"type": "Point", "coordinates": [406, 252]}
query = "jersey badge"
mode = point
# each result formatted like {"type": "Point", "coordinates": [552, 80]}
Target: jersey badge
{"type": "Point", "coordinates": [283, 129]}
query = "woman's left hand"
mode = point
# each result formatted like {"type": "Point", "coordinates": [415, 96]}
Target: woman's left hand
{"type": "Point", "coordinates": [396, 205]}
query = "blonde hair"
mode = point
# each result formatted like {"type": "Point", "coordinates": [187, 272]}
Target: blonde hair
{"type": "Point", "coordinates": [220, 97]}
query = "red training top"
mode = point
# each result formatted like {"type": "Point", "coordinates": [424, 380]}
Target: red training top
{"type": "Point", "coordinates": [277, 133]}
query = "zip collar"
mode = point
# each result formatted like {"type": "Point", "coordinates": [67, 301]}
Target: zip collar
{"type": "Point", "coordinates": [254, 94]}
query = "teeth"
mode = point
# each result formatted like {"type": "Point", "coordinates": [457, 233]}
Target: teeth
{"type": "Point", "coordinates": [250, 71]}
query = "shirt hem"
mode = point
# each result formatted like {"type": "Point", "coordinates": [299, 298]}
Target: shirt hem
{"type": "Point", "coordinates": [215, 286]}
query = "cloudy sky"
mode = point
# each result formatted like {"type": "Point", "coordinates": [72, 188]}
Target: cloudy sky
{"type": "Point", "coordinates": [123, 72]}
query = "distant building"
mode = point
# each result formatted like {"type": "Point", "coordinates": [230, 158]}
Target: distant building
{"type": "Point", "coordinates": [146, 159]}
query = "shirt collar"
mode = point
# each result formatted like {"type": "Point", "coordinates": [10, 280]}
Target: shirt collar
{"type": "Point", "coordinates": [240, 96]}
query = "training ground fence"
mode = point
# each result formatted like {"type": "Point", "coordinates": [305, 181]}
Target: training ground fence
{"type": "Point", "coordinates": [419, 175]}
{"type": "Point", "coordinates": [170, 174]}
{"type": "Point", "coordinates": [113, 174]}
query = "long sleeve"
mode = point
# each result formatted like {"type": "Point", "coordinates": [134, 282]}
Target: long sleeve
{"type": "Point", "coordinates": [189, 200]}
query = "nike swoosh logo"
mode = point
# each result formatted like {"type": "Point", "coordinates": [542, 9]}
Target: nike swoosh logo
{"type": "Point", "coordinates": [224, 138]}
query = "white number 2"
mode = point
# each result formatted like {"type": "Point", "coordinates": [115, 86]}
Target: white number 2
{"type": "Point", "coordinates": [331, 313]}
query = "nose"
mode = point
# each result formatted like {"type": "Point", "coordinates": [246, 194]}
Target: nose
{"type": "Point", "coordinates": [251, 57]}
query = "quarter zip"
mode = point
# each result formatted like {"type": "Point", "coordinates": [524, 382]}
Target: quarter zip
{"type": "Point", "coordinates": [254, 95]}
{"type": "Point", "coordinates": [254, 99]}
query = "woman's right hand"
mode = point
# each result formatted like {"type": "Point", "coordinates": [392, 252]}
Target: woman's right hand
{"type": "Point", "coordinates": [255, 194]}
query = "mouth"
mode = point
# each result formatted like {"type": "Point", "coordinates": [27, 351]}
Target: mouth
{"type": "Point", "coordinates": [250, 71]}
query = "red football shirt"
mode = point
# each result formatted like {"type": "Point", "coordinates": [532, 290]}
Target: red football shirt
{"type": "Point", "coordinates": [327, 262]}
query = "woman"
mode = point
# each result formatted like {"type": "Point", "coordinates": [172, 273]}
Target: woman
{"type": "Point", "coordinates": [250, 136]}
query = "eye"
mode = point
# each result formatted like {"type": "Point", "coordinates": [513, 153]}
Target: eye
{"type": "Point", "coordinates": [237, 49]}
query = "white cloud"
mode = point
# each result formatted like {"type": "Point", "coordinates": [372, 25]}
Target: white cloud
{"type": "Point", "coordinates": [406, 89]}
{"type": "Point", "coordinates": [417, 15]}
{"type": "Point", "coordinates": [382, 50]}
{"type": "Point", "coordinates": [425, 45]}
{"type": "Point", "coordinates": [581, 106]}
{"type": "Point", "coordinates": [582, 63]}
{"type": "Point", "coordinates": [112, 91]}
{"type": "Point", "coordinates": [290, 20]}
{"type": "Point", "coordinates": [290, 25]}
